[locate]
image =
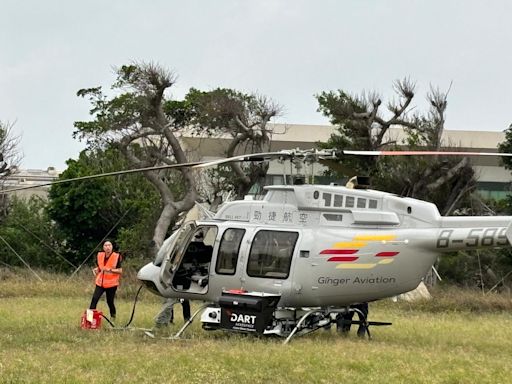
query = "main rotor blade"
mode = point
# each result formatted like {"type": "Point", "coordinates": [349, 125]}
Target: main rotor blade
{"type": "Point", "coordinates": [193, 165]}
{"type": "Point", "coordinates": [312, 154]}
{"type": "Point", "coordinates": [115, 173]}
{"type": "Point", "coordinates": [424, 153]}
{"type": "Point", "coordinates": [252, 157]}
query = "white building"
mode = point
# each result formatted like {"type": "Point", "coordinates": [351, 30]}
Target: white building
{"type": "Point", "coordinates": [31, 177]}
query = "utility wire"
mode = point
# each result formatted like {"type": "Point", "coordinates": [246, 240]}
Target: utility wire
{"type": "Point", "coordinates": [7, 265]}
{"type": "Point", "coordinates": [499, 282]}
{"type": "Point", "coordinates": [46, 245]}
{"type": "Point", "coordinates": [23, 261]}
{"type": "Point", "coordinates": [97, 245]}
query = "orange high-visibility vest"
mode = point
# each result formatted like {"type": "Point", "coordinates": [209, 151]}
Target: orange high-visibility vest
{"type": "Point", "coordinates": [107, 279]}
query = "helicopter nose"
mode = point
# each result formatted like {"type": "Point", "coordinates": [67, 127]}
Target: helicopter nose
{"type": "Point", "coordinates": [148, 275]}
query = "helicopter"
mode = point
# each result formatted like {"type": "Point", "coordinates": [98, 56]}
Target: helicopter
{"type": "Point", "coordinates": [305, 255]}
{"type": "Point", "coordinates": [295, 261]}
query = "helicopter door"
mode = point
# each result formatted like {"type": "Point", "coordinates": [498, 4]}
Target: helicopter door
{"type": "Point", "coordinates": [192, 273]}
{"type": "Point", "coordinates": [228, 268]}
{"type": "Point", "coordinates": [269, 263]}
{"type": "Point", "coordinates": [171, 252]}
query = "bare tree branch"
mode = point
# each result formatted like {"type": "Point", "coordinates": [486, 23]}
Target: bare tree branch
{"type": "Point", "coordinates": [448, 175]}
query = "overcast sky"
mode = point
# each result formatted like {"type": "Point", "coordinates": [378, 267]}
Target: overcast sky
{"type": "Point", "coordinates": [287, 50]}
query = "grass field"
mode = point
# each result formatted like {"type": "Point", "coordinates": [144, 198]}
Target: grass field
{"type": "Point", "coordinates": [449, 340]}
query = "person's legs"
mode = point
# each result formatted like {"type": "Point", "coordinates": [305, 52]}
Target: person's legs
{"type": "Point", "coordinates": [98, 291]}
{"type": "Point", "coordinates": [166, 314]}
{"type": "Point", "coordinates": [111, 294]}
{"type": "Point", "coordinates": [344, 322]}
{"type": "Point", "coordinates": [186, 309]}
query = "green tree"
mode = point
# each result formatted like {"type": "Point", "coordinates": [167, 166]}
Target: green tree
{"type": "Point", "coordinates": [123, 206]}
{"type": "Point", "coordinates": [362, 124]}
{"type": "Point", "coordinates": [244, 118]}
{"type": "Point", "coordinates": [506, 147]}
{"type": "Point", "coordinates": [28, 234]}
{"type": "Point", "coordinates": [497, 264]}
{"type": "Point", "coordinates": [139, 121]}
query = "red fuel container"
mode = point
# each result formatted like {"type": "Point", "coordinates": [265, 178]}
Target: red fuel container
{"type": "Point", "coordinates": [91, 319]}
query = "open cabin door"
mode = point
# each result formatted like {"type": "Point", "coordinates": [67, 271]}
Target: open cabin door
{"type": "Point", "coordinates": [174, 253]}
{"type": "Point", "coordinates": [190, 268]}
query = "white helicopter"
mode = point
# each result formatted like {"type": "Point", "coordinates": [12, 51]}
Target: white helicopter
{"type": "Point", "coordinates": [305, 255]}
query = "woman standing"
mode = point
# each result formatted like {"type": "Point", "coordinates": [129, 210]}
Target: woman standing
{"type": "Point", "coordinates": [108, 273]}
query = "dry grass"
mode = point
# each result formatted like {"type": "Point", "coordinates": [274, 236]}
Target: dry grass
{"type": "Point", "coordinates": [41, 342]}
{"type": "Point", "coordinates": [449, 298]}
{"type": "Point", "coordinates": [21, 281]}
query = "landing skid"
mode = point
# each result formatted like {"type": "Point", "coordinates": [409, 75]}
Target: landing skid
{"type": "Point", "coordinates": [301, 322]}
{"type": "Point", "coordinates": [310, 321]}
{"type": "Point", "coordinates": [183, 328]}
{"type": "Point", "coordinates": [326, 320]}
{"type": "Point", "coordinates": [189, 321]}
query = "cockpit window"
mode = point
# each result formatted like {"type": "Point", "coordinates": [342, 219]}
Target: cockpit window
{"type": "Point", "coordinates": [228, 251]}
{"type": "Point", "coordinates": [181, 242]}
{"type": "Point", "coordinates": [171, 244]}
{"type": "Point", "coordinates": [165, 249]}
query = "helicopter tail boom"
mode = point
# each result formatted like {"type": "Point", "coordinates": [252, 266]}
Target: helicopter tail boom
{"type": "Point", "coordinates": [474, 232]}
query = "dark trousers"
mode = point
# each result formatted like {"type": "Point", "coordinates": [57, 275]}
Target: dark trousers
{"type": "Point", "coordinates": [344, 322]}
{"type": "Point", "coordinates": [186, 309]}
{"type": "Point", "coordinates": [110, 293]}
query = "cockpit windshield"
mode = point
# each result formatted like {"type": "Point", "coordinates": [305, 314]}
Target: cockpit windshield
{"type": "Point", "coordinates": [173, 246]}
{"type": "Point", "coordinates": [181, 243]}
{"type": "Point", "coordinates": [165, 249]}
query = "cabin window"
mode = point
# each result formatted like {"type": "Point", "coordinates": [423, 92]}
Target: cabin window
{"type": "Point", "coordinates": [228, 251]}
{"type": "Point", "coordinates": [361, 203]}
{"type": "Point", "coordinates": [349, 202]}
{"type": "Point", "coordinates": [271, 254]}
{"type": "Point", "coordinates": [327, 199]}
{"type": "Point", "coordinates": [338, 200]}
{"type": "Point", "coordinates": [372, 204]}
